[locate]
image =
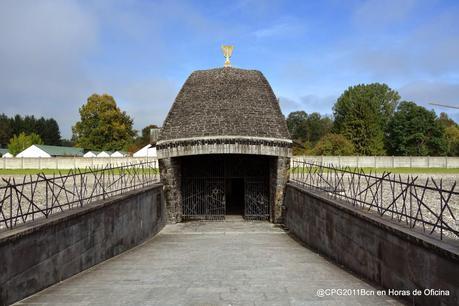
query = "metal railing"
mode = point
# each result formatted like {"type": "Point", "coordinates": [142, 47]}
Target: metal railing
{"type": "Point", "coordinates": [426, 204]}
{"type": "Point", "coordinates": [39, 196]}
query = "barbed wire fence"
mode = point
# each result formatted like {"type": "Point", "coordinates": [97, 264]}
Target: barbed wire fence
{"type": "Point", "coordinates": [428, 205]}
{"type": "Point", "coordinates": [40, 196]}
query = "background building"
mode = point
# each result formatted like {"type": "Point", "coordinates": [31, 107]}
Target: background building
{"type": "Point", "coordinates": [50, 151]}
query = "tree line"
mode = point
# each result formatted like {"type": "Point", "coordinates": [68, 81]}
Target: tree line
{"type": "Point", "coordinates": [371, 119]}
{"type": "Point", "coordinates": [368, 119]}
{"type": "Point", "coordinates": [103, 126]}
{"type": "Point", "coordinates": [46, 129]}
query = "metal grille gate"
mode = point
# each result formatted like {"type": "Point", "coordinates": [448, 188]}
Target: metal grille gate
{"type": "Point", "coordinates": [203, 186]}
{"type": "Point", "coordinates": [256, 199]}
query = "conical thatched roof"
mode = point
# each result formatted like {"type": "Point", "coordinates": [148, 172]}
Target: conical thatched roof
{"type": "Point", "coordinates": [225, 102]}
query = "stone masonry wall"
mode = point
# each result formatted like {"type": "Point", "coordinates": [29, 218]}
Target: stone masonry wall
{"type": "Point", "coordinates": [170, 172]}
{"type": "Point", "coordinates": [278, 176]}
{"type": "Point", "coordinates": [383, 252]}
{"type": "Point", "coordinates": [47, 251]}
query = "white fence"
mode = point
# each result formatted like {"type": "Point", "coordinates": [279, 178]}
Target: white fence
{"type": "Point", "coordinates": [67, 162]}
{"type": "Point", "coordinates": [341, 161]}
{"type": "Point", "coordinates": [385, 161]}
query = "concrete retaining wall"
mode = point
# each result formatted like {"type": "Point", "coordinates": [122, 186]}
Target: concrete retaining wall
{"type": "Point", "coordinates": [385, 253]}
{"type": "Point", "coordinates": [47, 251]}
{"type": "Point", "coordinates": [67, 162]}
{"type": "Point", "coordinates": [385, 161]}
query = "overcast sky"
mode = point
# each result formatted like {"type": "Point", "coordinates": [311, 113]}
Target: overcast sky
{"type": "Point", "coordinates": [55, 53]}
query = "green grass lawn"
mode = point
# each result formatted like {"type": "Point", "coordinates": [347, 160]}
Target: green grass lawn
{"type": "Point", "coordinates": [414, 170]}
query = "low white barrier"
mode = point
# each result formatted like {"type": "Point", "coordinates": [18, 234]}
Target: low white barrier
{"type": "Point", "coordinates": [385, 161]}
{"type": "Point", "coordinates": [67, 162]}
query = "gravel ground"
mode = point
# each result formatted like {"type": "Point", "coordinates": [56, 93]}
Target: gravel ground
{"type": "Point", "coordinates": [421, 203]}
{"type": "Point", "coordinates": [53, 196]}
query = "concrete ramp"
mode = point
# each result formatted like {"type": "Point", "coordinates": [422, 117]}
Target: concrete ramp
{"type": "Point", "coordinates": [212, 263]}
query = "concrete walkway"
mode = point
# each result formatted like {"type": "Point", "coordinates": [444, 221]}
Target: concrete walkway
{"type": "Point", "coordinates": [211, 263]}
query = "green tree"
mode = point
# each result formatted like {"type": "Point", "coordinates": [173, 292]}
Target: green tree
{"type": "Point", "coordinates": [445, 120]}
{"type": "Point", "coordinates": [334, 144]}
{"type": "Point", "coordinates": [5, 130]}
{"type": "Point", "coordinates": [50, 132]}
{"type": "Point", "coordinates": [47, 129]}
{"type": "Point", "coordinates": [21, 142]}
{"type": "Point", "coordinates": [146, 134]}
{"type": "Point", "coordinates": [297, 125]}
{"type": "Point", "coordinates": [452, 140]}
{"type": "Point", "coordinates": [317, 127]}
{"type": "Point", "coordinates": [308, 129]}
{"type": "Point", "coordinates": [414, 130]}
{"type": "Point", "coordinates": [103, 126]}
{"type": "Point", "coordinates": [361, 115]}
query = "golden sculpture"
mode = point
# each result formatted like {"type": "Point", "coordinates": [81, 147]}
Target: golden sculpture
{"type": "Point", "coordinates": [227, 52]}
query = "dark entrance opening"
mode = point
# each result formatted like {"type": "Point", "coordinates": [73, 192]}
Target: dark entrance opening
{"type": "Point", "coordinates": [215, 185]}
{"type": "Point", "coordinates": [235, 196]}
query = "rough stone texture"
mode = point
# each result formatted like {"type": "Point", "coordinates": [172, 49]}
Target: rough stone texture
{"type": "Point", "coordinates": [212, 263]}
{"type": "Point", "coordinates": [279, 176]}
{"type": "Point", "coordinates": [383, 252]}
{"type": "Point", "coordinates": [225, 102]}
{"type": "Point", "coordinates": [42, 253]}
{"type": "Point", "coordinates": [223, 111]}
{"type": "Point", "coordinates": [171, 176]}
{"type": "Point", "coordinates": [233, 145]}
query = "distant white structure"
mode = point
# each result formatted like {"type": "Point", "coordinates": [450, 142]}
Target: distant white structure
{"type": "Point", "coordinates": [104, 154]}
{"type": "Point", "coordinates": [119, 154]}
{"type": "Point", "coordinates": [50, 151]}
{"type": "Point", "coordinates": [91, 154]}
{"type": "Point", "coordinates": [147, 151]}
{"type": "Point", "coordinates": [7, 155]}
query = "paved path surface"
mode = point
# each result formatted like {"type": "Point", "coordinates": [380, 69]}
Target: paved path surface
{"type": "Point", "coordinates": [211, 263]}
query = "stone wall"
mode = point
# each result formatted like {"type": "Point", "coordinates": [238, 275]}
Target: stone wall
{"type": "Point", "coordinates": [170, 171]}
{"type": "Point", "coordinates": [278, 176]}
{"type": "Point", "coordinates": [44, 252]}
{"type": "Point", "coordinates": [383, 252]}
{"type": "Point", "coordinates": [225, 145]}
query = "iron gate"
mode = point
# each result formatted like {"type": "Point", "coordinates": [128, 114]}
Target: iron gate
{"type": "Point", "coordinates": [256, 199]}
{"type": "Point", "coordinates": [203, 186]}
{"type": "Point", "coordinates": [203, 198]}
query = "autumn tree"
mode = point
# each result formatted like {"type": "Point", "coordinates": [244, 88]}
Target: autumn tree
{"type": "Point", "coordinates": [22, 141]}
{"type": "Point", "coordinates": [102, 125]}
{"type": "Point", "coordinates": [361, 115]}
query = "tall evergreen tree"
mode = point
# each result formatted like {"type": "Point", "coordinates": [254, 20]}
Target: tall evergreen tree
{"type": "Point", "coordinates": [5, 130]}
